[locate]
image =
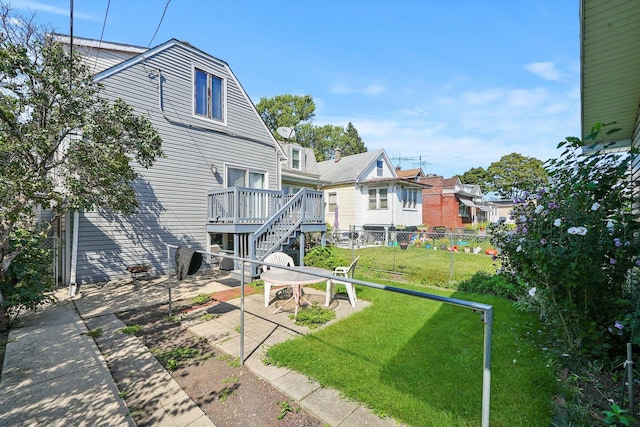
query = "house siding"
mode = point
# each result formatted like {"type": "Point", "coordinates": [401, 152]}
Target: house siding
{"type": "Point", "coordinates": [347, 206]}
{"type": "Point", "coordinates": [173, 192]}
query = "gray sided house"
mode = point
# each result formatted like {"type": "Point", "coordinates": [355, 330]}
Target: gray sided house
{"type": "Point", "coordinates": [300, 169]}
{"type": "Point", "coordinates": [218, 184]}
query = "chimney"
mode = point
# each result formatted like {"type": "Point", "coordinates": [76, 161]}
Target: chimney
{"type": "Point", "coordinates": [398, 168]}
{"type": "Point", "coordinates": [337, 154]}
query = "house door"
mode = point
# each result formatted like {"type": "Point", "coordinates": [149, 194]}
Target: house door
{"type": "Point", "coordinates": [253, 205]}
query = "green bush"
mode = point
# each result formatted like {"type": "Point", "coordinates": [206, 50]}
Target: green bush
{"type": "Point", "coordinates": [323, 257]}
{"type": "Point", "coordinates": [28, 278]}
{"type": "Point", "coordinates": [494, 284]}
{"type": "Point", "coordinates": [574, 244]}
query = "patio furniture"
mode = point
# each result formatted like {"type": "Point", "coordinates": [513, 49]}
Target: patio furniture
{"type": "Point", "coordinates": [279, 258]}
{"type": "Point", "coordinates": [295, 279]}
{"type": "Point", "coordinates": [346, 272]}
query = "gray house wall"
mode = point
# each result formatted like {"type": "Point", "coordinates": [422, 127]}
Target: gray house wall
{"type": "Point", "coordinates": [173, 192]}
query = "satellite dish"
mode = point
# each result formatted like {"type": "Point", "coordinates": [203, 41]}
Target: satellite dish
{"type": "Point", "coordinates": [286, 132]}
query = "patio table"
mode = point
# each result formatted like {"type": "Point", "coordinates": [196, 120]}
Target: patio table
{"type": "Point", "coordinates": [295, 279]}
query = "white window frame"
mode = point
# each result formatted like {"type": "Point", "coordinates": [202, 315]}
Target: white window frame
{"type": "Point", "coordinates": [383, 202]}
{"type": "Point", "coordinates": [295, 151]}
{"type": "Point", "coordinates": [332, 201]}
{"type": "Point", "coordinates": [223, 96]}
{"type": "Point", "coordinates": [375, 199]}
{"type": "Point", "coordinates": [373, 202]}
{"type": "Point", "coordinates": [409, 198]}
{"type": "Point", "coordinates": [247, 176]}
{"type": "Point", "coordinates": [379, 167]}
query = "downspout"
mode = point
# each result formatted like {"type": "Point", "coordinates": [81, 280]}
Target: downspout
{"type": "Point", "coordinates": [73, 287]}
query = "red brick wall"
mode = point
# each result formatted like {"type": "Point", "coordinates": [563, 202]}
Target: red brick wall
{"type": "Point", "coordinates": [438, 208]}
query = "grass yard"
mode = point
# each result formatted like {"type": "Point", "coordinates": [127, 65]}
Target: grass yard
{"type": "Point", "coordinates": [420, 361]}
{"type": "Point", "coordinates": [418, 265]}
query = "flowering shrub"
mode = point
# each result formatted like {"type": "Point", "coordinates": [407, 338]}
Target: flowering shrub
{"type": "Point", "coordinates": [574, 245]}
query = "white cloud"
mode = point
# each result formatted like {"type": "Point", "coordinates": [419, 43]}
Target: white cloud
{"type": "Point", "coordinates": [345, 89]}
{"type": "Point", "coordinates": [479, 98]}
{"type": "Point", "coordinates": [414, 112]}
{"type": "Point", "coordinates": [545, 70]}
{"type": "Point", "coordinates": [375, 89]}
{"type": "Point", "coordinates": [35, 6]}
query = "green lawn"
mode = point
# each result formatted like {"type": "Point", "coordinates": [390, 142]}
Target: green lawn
{"type": "Point", "coordinates": [419, 265]}
{"type": "Point", "coordinates": [420, 361]}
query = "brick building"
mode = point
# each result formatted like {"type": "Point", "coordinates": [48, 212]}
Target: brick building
{"type": "Point", "coordinates": [450, 203]}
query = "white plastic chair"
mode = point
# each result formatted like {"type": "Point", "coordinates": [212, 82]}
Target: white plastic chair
{"type": "Point", "coordinates": [346, 272]}
{"type": "Point", "coordinates": [279, 258]}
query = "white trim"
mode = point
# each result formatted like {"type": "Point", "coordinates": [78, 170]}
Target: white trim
{"type": "Point", "coordinates": [196, 66]}
{"type": "Point", "coordinates": [247, 170]}
{"type": "Point", "coordinates": [79, 41]}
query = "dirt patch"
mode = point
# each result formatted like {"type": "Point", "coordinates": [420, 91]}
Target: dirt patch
{"type": "Point", "coordinates": [229, 395]}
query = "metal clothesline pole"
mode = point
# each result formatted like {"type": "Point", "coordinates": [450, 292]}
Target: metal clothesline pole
{"type": "Point", "coordinates": [485, 310]}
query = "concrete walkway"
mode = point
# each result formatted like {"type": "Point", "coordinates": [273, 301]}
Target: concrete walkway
{"type": "Point", "coordinates": [54, 374]}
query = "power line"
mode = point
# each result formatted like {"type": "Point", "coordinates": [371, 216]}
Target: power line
{"type": "Point", "coordinates": [104, 24]}
{"type": "Point", "coordinates": [159, 23]}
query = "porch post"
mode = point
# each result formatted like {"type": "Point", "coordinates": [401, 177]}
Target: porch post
{"type": "Point", "coordinates": [301, 254]}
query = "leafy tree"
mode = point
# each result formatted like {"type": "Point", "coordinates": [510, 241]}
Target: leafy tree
{"type": "Point", "coordinates": [477, 176]}
{"type": "Point", "coordinates": [324, 140]}
{"type": "Point", "coordinates": [298, 111]}
{"type": "Point", "coordinates": [286, 110]}
{"type": "Point", "coordinates": [63, 145]}
{"type": "Point", "coordinates": [515, 174]}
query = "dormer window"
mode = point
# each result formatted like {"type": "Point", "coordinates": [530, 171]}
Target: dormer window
{"type": "Point", "coordinates": [295, 159]}
{"type": "Point", "coordinates": [208, 96]}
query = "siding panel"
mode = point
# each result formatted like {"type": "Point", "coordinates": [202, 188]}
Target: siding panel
{"type": "Point", "coordinates": [173, 192]}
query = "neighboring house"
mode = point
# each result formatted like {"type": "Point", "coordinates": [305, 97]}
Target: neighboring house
{"type": "Point", "coordinates": [364, 191]}
{"type": "Point", "coordinates": [411, 175]}
{"type": "Point", "coordinates": [610, 63]}
{"type": "Point", "coordinates": [447, 202]}
{"type": "Point", "coordinates": [219, 182]}
{"type": "Point", "coordinates": [300, 169]}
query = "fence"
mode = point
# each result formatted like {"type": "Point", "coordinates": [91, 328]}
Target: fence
{"type": "Point", "coordinates": [400, 241]}
{"type": "Point", "coordinates": [485, 310]}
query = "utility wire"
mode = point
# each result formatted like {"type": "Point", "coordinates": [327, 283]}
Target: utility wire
{"type": "Point", "coordinates": [159, 23]}
{"type": "Point", "coordinates": [104, 24]}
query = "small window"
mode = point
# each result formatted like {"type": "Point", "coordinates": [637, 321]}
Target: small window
{"type": "Point", "coordinates": [379, 167]}
{"type": "Point", "coordinates": [409, 198]}
{"type": "Point", "coordinates": [373, 202]}
{"type": "Point", "coordinates": [208, 96]}
{"type": "Point", "coordinates": [383, 198]}
{"type": "Point", "coordinates": [333, 199]}
{"type": "Point", "coordinates": [295, 159]}
{"type": "Point", "coordinates": [464, 211]}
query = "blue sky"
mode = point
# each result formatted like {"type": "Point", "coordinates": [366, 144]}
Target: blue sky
{"type": "Point", "coordinates": [455, 83]}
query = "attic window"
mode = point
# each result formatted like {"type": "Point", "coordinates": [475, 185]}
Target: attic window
{"type": "Point", "coordinates": [208, 95]}
{"type": "Point", "coordinates": [379, 167]}
{"type": "Point", "coordinates": [295, 159]}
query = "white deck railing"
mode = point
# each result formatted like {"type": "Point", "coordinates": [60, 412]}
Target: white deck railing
{"type": "Point", "coordinates": [240, 205]}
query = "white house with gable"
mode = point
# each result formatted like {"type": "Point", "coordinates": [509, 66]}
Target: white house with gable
{"type": "Point", "coordinates": [364, 191]}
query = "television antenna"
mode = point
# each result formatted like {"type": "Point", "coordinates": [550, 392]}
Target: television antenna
{"type": "Point", "coordinates": [414, 160]}
{"type": "Point", "coordinates": [286, 132]}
